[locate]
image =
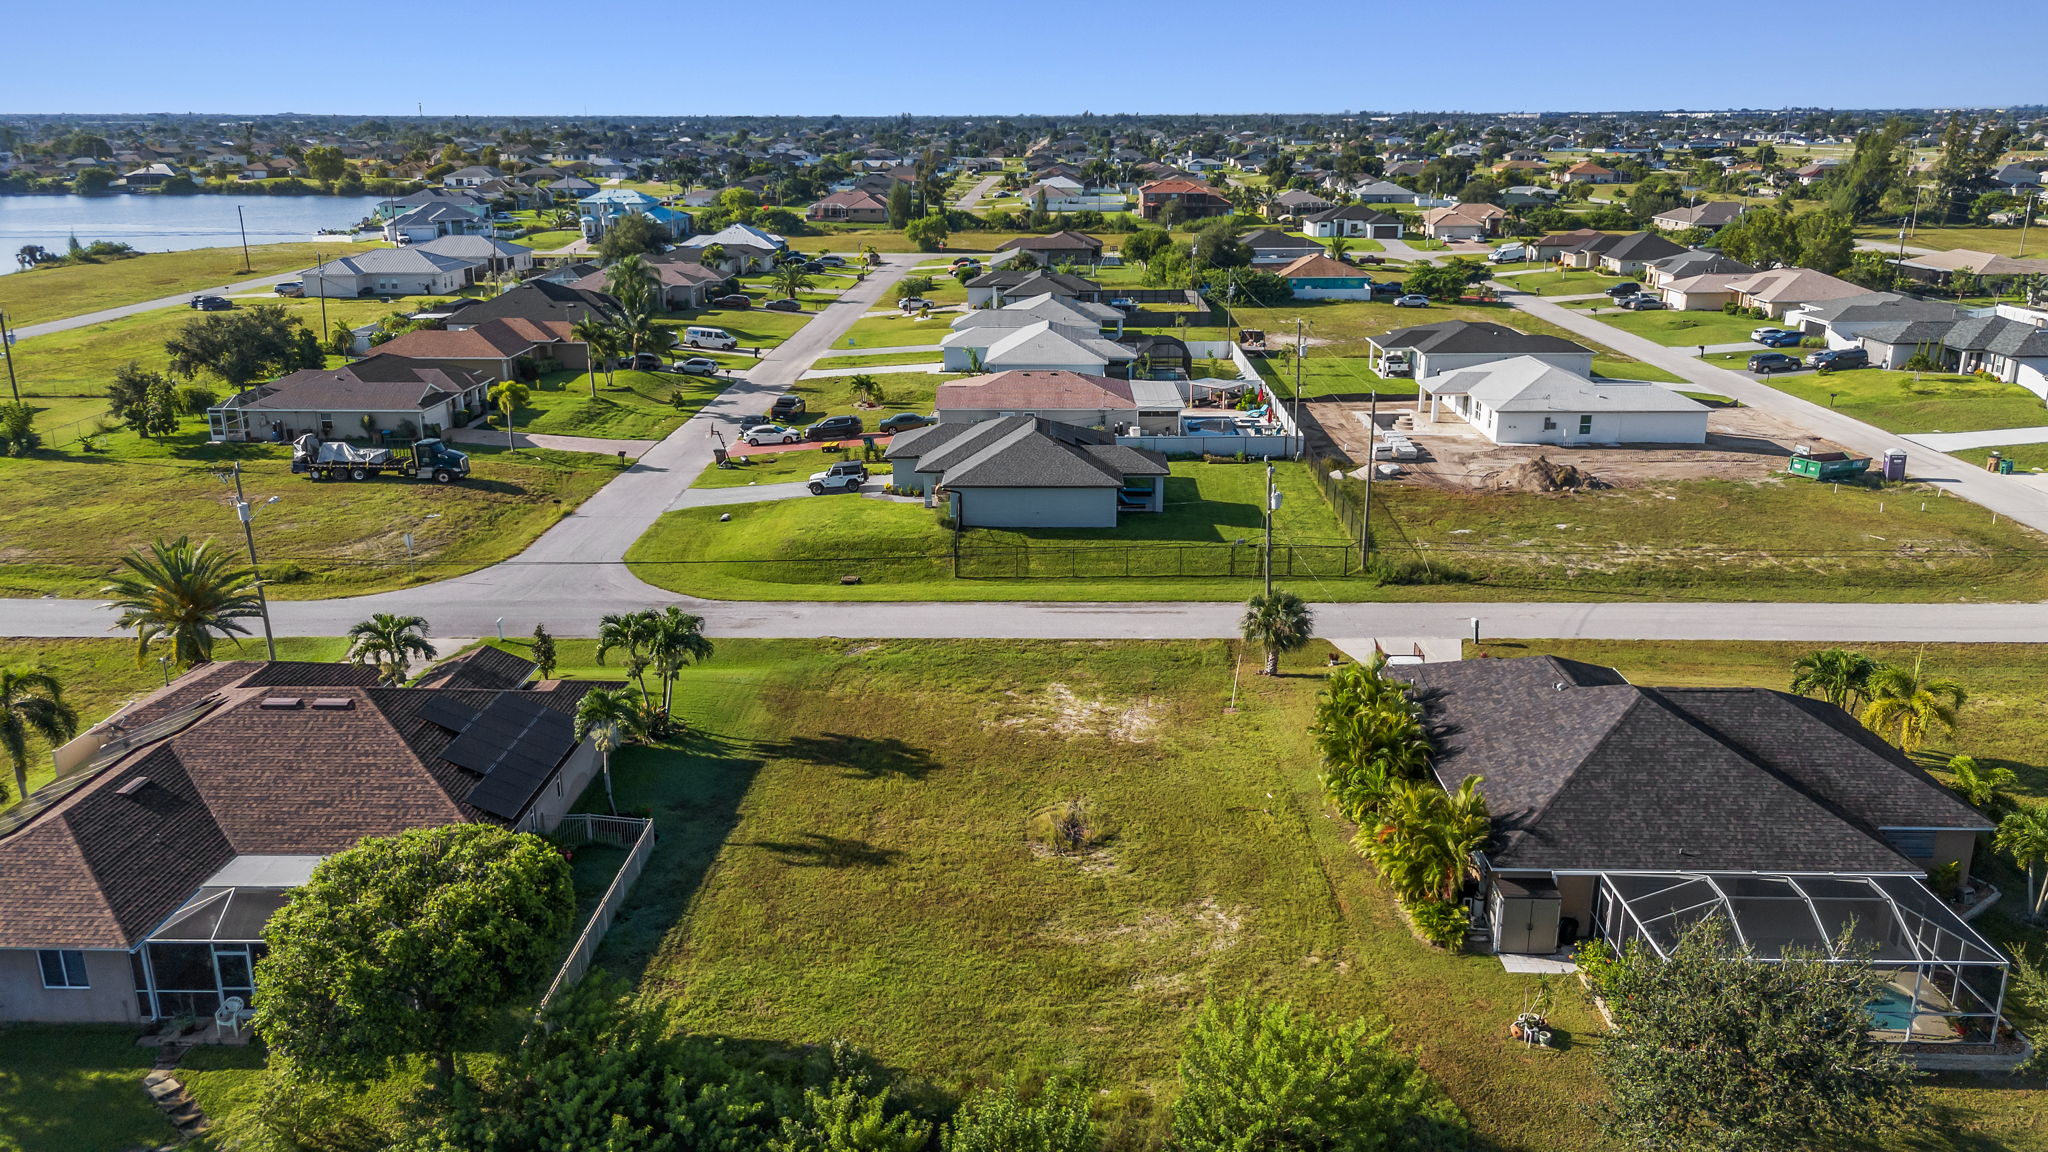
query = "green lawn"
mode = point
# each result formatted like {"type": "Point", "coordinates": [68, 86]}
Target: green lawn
{"type": "Point", "coordinates": [778, 467]}
{"type": "Point", "coordinates": [53, 293]}
{"type": "Point", "coordinates": [1564, 282]}
{"type": "Point", "coordinates": [76, 1089]}
{"type": "Point", "coordinates": [634, 406]}
{"type": "Point", "coordinates": [886, 359]}
{"type": "Point", "coordinates": [1675, 329]}
{"type": "Point", "coordinates": [549, 241]}
{"type": "Point", "coordinates": [2025, 457]}
{"type": "Point", "coordinates": [2001, 241]}
{"type": "Point", "coordinates": [752, 327]}
{"type": "Point", "coordinates": [901, 392]}
{"type": "Point", "coordinates": [1324, 377]}
{"type": "Point", "coordinates": [894, 331]}
{"type": "Point", "coordinates": [73, 514]}
{"type": "Point", "coordinates": [1918, 402]}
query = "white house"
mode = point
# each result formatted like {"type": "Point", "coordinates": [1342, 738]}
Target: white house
{"type": "Point", "coordinates": [1353, 220]}
{"type": "Point", "coordinates": [1526, 401]}
{"type": "Point", "coordinates": [1041, 345]}
{"type": "Point", "coordinates": [389, 272]}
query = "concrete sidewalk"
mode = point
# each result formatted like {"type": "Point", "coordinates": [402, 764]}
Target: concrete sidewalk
{"type": "Point", "coordinates": [1963, 441]}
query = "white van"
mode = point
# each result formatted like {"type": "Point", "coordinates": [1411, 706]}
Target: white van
{"type": "Point", "coordinates": [1508, 253]}
{"type": "Point", "coordinates": [716, 339]}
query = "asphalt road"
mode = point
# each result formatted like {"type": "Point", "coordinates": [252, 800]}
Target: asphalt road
{"type": "Point", "coordinates": [180, 300]}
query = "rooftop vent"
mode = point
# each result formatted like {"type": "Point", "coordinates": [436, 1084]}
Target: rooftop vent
{"type": "Point", "coordinates": [133, 786]}
{"type": "Point", "coordinates": [334, 703]}
{"type": "Point", "coordinates": [280, 702]}
{"type": "Point", "coordinates": [1560, 685]}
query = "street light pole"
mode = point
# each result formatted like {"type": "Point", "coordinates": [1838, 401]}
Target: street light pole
{"type": "Point", "coordinates": [246, 267]}
{"type": "Point", "coordinates": [248, 517]}
{"type": "Point", "coordinates": [7, 350]}
{"type": "Point", "coordinates": [1269, 528]}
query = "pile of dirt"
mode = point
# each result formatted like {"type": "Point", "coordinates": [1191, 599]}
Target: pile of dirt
{"type": "Point", "coordinates": [1540, 475]}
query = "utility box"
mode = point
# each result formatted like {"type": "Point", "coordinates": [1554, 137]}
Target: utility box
{"type": "Point", "coordinates": [1895, 464]}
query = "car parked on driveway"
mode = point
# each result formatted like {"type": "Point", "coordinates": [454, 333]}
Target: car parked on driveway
{"type": "Point", "coordinates": [212, 303]}
{"type": "Point", "coordinates": [1765, 363]}
{"type": "Point", "coordinates": [786, 405]}
{"type": "Point", "coordinates": [290, 288]}
{"type": "Point", "coordinates": [748, 423]}
{"type": "Point", "coordinates": [1766, 332]}
{"type": "Point", "coordinates": [1411, 300]}
{"type": "Point", "coordinates": [1838, 359]}
{"type": "Point", "coordinates": [783, 306]}
{"type": "Point", "coordinates": [845, 476]}
{"type": "Point", "coordinates": [832, 261]}
{"type": "Point", "coordinates": [1625, 288]}
{"type": "Point", "coordinates": [1641, 302]}
{"type": "Point", "coordinates": [736, 300]}
{"type": "Point", "coordinates": [834, 428]}
{"type": "Point", "coordinates": [761, 434]}
{"type": "Point", "coordinates": [914, 304]}
{"type": "Point", "coordinates": [697, 366]}
{"type": "Point", "coordinates": [1779, 340]}
{"type": "Point", "coordinates": [1387, 288]}
{"type": "Point", "coordinates": [903, 422]}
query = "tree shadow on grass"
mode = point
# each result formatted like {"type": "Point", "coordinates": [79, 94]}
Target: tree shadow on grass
{"type": "Point", "coordinates": [859, 757]}
{"type": "Point", "coordinates": [817, 850]}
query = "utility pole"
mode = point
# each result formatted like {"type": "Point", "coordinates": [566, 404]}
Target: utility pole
{"type": "Point", "coordinates": [1270, 503]}
{"type": "Point", "coordinates": [320, 282]}
{"type": "Point", "coordinates": [1371, 466]}
{"type": "Point", "coordinates": [2026, 217]}
{"type": "Point", "coordinates": [244, 225]}
{"type": "Point", "coordinates": [248, 518]}
{"type": "Point", "coordinates": [1301, 441]}
{"type": "Point", "coordinates": [7, 350]}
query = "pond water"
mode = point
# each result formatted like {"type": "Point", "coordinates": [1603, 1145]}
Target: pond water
{"type": "Point", "coordinates": [170, 223]}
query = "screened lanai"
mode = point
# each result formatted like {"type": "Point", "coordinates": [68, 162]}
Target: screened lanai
{"type": "Point", "coordinates": [1946, 982]}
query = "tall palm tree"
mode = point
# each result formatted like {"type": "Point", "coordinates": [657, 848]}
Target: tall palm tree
{"type": "Point", "coordinates": [632, 283]}
{"type": "Point", "coordinates": [1338, 247]}
{"type": "Point", "coordinates": [2023, 835]}
{"type": "Point", "coordinates": [641, 333]}
{"type": "Point", "coordinates": [390, 642]}
{"type": "Point", "coordinates": [596, 336]}
{"type": "Point", "coordinates": [610, 718]}
{"type": "Point", "coordinates": [31, 703]}
{"type": "Point", "coordinates": [791, 279]}
{"type": "Point", "coordinates": [183, 594]}
{"type": "Point", "coordinates": [508, 397]}
{"type": "Point", "coordinates": [866, 389]}
{"type": "Point", "coordinates": [1906, 706]}
{"type": "Point", "coordinates": [712, 256]}
{"type": "Point", "coordinates": [1837, 676]}
{"type": "Point", "coordinates": [1978, 785]}
{"type": "Point", "coordinates": [629, 633]}
{"type": "Point", "coordinates": [674, 639]}
{"type": "Point", "coordinates": [1279, 622]}
{"type": "Point", "coordinates": [1424, 842]}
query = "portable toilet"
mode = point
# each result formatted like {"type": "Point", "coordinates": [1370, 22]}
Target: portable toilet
{"type": "Point", "coordinates": [1895, 464]}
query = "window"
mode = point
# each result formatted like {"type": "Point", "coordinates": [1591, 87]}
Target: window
{"type": "Point", "coordinates": [1585, 425]}
{"type": "Point", "coordinates": [63, 968]}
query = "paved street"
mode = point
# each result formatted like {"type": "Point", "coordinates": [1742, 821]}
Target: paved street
{"type": "Point", "coordinates": [180, 300]}
{"type": "Point", "coordinates": [980, 189]}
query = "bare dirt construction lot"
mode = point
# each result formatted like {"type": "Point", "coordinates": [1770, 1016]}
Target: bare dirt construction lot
{"type": "Point", "coordinates": [1742, 444]}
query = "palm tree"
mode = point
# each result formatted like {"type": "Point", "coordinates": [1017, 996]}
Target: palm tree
{"type": "Point", "coordinates": [791, 279]}
{"type": "Point", "coordinates": [185, 594]}
{"type": "Point", "coordinates": [508, 397]}
{"type": "Point", "coordinates": [633, 284]}
{"type": "Point", "coordinates": [391, 643]}
{"type": "Point", "coordinates": [713, 256]}
{"type": "Point", "coordinates": [1424, 843]}
{"type": "Point", "coordinates": [1278, 621]}
{"type": "Point", "coordinates": [610, 718]}
{"type": "Point", "coordinates": [1978, 785]}
{"type": "Point", "coordinates": [1338, 247]}
{"type": "Point", "coordinates": [629, 632]}
{"type": "Point", "coordinates": [598, 345]}
{"type": "Point", "coordinates": [641, 333]}
{"type": "Point", "coordinates": [1839, 677]}
{"type": "Point", "coordinates": [2023, 835]}
{"type": "Point", "coordinates": [31, 702]}
{"type": "Point", "coordinates": [866, 389]}
{"type": "Point", "coordinates": [1910, 705]}
{"type": "Point", "coordinates": [674, 639]}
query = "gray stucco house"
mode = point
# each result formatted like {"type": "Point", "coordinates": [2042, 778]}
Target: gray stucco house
{"type": "Point", "coordinates": [1028, 472]}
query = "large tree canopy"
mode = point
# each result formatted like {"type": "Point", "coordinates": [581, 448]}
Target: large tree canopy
{"type": "Point", "coordinates": [244, 345]}
{"type": "Point", "coordinates": [410, 944]}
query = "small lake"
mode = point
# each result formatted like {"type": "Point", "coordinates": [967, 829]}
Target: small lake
{"type": "Point", "coordinates": [154, 223]}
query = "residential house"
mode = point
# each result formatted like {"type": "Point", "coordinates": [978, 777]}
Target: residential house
{"type": "Point", "coordinates": [2020, 179]}
{"type": "Point", "coordinates": [542, 301]}
{"type": "Point", "coordinates": [1780, 290]}
{"type": "Point", "coordinates": [1432, 349]}
{"type": "Point", "coordinates": [1527, 196]}
{"type": "Point", "coordinates": [1084, 400]}
{"type": "Point", "coordinates": [605, 207]}
{"type": "Point", "coordinates": [1525, 400]}
{"type": "Point", "coordinates": [1384, 192]}
{"type": "Point", "coordinates": [1025, 471]}
{"type": "Point", "coordinates": [1462, 221]}
{"type": "Point", "coordinates": [1192, 200]}
{"type": "Point", "coordinates": [140, 880]}
{"type": "Point", "coordinates": [389, 272]}
{"type": "Point", "coordinates": [1991, 270]}
{"type": "Point", "coordinates": [490, 256]}
{"type": "Point", "coordinates": [497, 349]}
{"type": "Point", "coordinates": [2002, 347]}
{"type": "Point", "coordinates": [684, 284]}
{"type": "Point", "coordinates": [1587, 172]}
{"type": "Point", "coordinates": [1627, 255]}
{"type": "Point", "coordinates": [1048, 344]}
{"type": "Point", "coordinates": [1789, 822]}
{"type": "Point", "coordinates": [1296, 203]}
{"type": "Point", "coordinates": [471, 177]}
{"type": "Point", "coordinates": [1353, 220]}
{"type": "Point", "coordinates": [149, 176]}
{"type": "Point", "coordinates": [1841, 322]}
{"type": "Point", "coordinates": [378, 394]}
{"type": "Point", "coordinates": [1058, 248]}
{"type": "Point", "coordinates": [1318, 277]}
{"type": "Point", "coordinates": [852, 206]}
{"type": "Point", "coordinates": [1689, 263]}
{"type": "Point", "coordinates": [400, 205]}
{"type": "Point", "coordinates": [1271, 246]}
{"type": "Point", "coordinates": [433, 221]}
{"type": "Point", "coordinates": [1710, 214]}
{"type": "Point", "coordinates": [993, 289]}
{"type": "Point", "coordinates": [1556, 244]}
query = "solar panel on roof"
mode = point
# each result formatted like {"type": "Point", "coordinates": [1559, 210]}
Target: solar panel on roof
{"type": "Point", "coordinates": [515, 744]}
{"type": "Point", "coordinates": [453, 715]}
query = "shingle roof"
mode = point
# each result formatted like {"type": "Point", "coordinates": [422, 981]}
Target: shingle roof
{"type": "Point", "coordinates": [1473, 336]}
{"type": "Point", "coordinates": [1025, 389]}
{"type": "Point", "coordinates": [1318, 266]}
{"type": "Point", "coordinates": [380, 383]}
{"type": "Point", "coordinates": [1024, 452]}
{"type": "Point", "coordinates": [1057, 242]}
{"type": "Point", "coordinates": [1361, 212]}
{"type": "Point", "coordinates": [486, 667]}
{"type": "Point", "coordinates": [543, 300]}
{"type": "Point", "coordinates": [490, 340]}
{"type": "Point", "coordinates": [1582, 770]}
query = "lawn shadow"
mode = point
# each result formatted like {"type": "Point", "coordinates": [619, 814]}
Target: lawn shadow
{"type": "Point", "coordinates": [817, 850]}
{"type": "Point", "coordinates": [858, 757]}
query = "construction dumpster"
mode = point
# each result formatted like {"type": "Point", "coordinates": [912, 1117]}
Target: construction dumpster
{"type": "Point", "coordinates": [1827, 465]}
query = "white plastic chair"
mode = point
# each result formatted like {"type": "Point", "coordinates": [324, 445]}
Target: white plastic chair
{"type": "Point", "coordinates": [231, 1014]}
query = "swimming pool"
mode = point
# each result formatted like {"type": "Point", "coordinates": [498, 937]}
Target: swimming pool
{"type": "Point", "coordinates": [1892, 1011]}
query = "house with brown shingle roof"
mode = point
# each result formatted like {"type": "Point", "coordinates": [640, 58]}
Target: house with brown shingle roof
{"type": "Point", "coordinates": [494, 347]}
{"type": "Point", "coordinates": [1462, 221]}
{"type": "Point", "coordinates": [1195, 199]}
{"type": "Point", "coordinates": [854, 206]}
{"type": "Point", "coordinates": [388, 391]}
{"type": "Point", "coordinates": [139, 880]}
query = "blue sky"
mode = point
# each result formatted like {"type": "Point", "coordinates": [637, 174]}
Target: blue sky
{"type": "Point", "coordinates": [1007, 57]}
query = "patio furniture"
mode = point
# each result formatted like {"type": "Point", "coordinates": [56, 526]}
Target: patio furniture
{"type": "Point", "coordinates": [232, 1014]}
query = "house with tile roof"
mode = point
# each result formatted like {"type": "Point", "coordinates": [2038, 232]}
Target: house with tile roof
{"type": "Point", "coordinates": [1027, 471]}
{"type": "Point", "coordinates": [1628, 814]}
{"type": "Point", "coordinates": [506, 349]}
{"type": "Point", "coordinates": [140, 878]}
{"type": "Point", "coordinates": [1587, 172]}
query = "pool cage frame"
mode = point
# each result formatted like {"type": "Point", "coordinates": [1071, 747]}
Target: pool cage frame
{"type": "Point", "coordinates": [1884, 921]}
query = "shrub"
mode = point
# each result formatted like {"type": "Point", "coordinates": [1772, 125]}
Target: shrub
{"type": "Point", "coordinates": [18, 436]}
{"type": "Point", "coordinates": [1069, 827]}
{"type": "Point", "coordinates": [195, 399]}
{"type": "Point", "coordinates": [1414, 570]}
{"type": "Point", "coordinates": [1921, 362]}
{"type": "Point", "coordinates": [1441, 922]}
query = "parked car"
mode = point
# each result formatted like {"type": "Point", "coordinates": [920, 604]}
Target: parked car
{"type": "Point", "coordinates": [814, 266]}
{"type": "Point", "coordinates": [697, 366]}
{"type": "Point", "coordinates": [1766, 332]}
{"type": "Point", "coordinates": [1387, 288]}
{"type": "Point", "coordinates": [761, 434]}
{"type": "Point", "coordinates": [290, 288]}
{"type": "Point", "coordinates": [212, 303]}
{"type": "Point", "coordinates": [834, 428]}
{"type": "Point", "coordinates": [1507, 254]}
{"type": "Point", "coordinates": [959, 260]}
{"type": "Point", "coordinates": [639, 362]}
{"type": "Point", "coordinates": [783, 306]}
{"type": "Point", "coordinates": [1411, 300]}
{"type": "Point", "coordinates": [1765, 363]}
{"type": "Point", "coordinates": [749, 423]}
{"type": "Point", "coordinates": [1625, 288]}
{"type": "Point", "coordinates": [736, 300]}
{"type": "Point", "coordinates": [716, 339]}
{"type": "Point", "coordinates": [914, 303]}
{"type": "Point", "coordinates": [1837, 359]}
{"type": "Point", "coordinates": [903, 422]}
{"type": "Point", "coordinates": [845, 476]}
{"type": "Point", "coordinates": [786, 405]}
{"type": "Point", "coordinates": [1779, 340]}
{"type": "Point", "coordinates": [832, 261]}
{"type": "Point", "coordinates": [1641, 302]}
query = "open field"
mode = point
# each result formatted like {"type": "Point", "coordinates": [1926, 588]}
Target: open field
{"type": "Point", "coordinates": [895, 331]}
{"type": "Point", "coordinates": [2000, 241]}
{"type": "Point", "coordinates": [549, 241]}
{"type": "Point", "coordinates": [878, 360]}
{"type": "Point", "coordinates": [1676, 329]}
{"type": "Point", "coordinates": [634, 406]}
{"type": "Point", "coordinates": [1564, 282]}
{"type": "Point", "coordinates": [1918, 401]}
{"type": "Point", "coordinates": [53, 293]}
{"type": "Point", "coordinates": [320, 540]}
{"type": "Point", "coordinates": [901, 392]}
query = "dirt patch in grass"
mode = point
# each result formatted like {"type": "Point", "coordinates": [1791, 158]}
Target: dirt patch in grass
{"type": "Point", "coordinates": [1063, 712]}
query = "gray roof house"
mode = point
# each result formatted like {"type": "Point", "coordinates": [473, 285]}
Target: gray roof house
{"type": "Point", "coordinates": [1028, 472]}
{"type": "Point", "coordinates": [334, 402]}
{"type": "Point", "coordinates": [1630, 813]}
{"type": "Point", "coordinates": [1384, 192]}
{"type": "Point", "coordinates": [1430, 349]}
{"type": "Point", "coordinates": [2004, 348]}
{"type": "Point", "coordinates": [1272, 246]}
{"type": "Point", "coordinates": [992, 289]}
{"type": "Point", "coordinates": [1353, 220]}
{"type": "Point", "coordinates": [1524, 400]}
{"type": "Point", "coordinates": [491, 256]}
{"type": "Point", "coordinates": [389, 272]}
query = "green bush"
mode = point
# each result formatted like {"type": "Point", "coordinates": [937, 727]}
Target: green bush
{"type": "Point", "coordinates": [194, 399]}
{"type": "Point", "coordinates": [1415, 571]}
{"type": "Point", "coordinates": [1441, 922]}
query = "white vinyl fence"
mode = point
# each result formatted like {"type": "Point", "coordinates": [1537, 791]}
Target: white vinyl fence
{"type": "Point", "coordinates": [637, 836]}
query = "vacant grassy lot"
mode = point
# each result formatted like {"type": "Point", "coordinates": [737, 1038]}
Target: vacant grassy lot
{"type": "Point", "coordinates": [549, 241]}
{"type": "Point", "coordinates": [634, 406]}
{"type": "Point", "coordinates": [1678, 329]}
{"type": "Point", "coordinates": [101, 675]}
{"type": "Point", "coordinates": [53, 293]}
{"type": "Point", "coordinates": [752, 327]}
{"type": "Point", "coordinates": [901, 392]}
{"type": "Point", "coordinates": [1918, 402]}
{"type": "Point", "coordinates": [1565, 282]}
{"type": "Point", "coordinates": [799, 549]}
{"type": "Point", "coordinates": [894, 331]}
{"type": "Point", "coordinates": [778, 467]}
{"type": "Point", "coordinates": [1324, 376]}
{"type": "Point", "coordinates": [882, 360]}
{"type": "Point", "coordinates": [2002, 241]}
{"type": "Point", "coordinates": [74, 514]}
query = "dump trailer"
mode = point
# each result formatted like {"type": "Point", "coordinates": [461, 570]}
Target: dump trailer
{"type": "Point", "coordinates": [336, 460]}
{"type": "Point", "coordinates": [1826, 465]}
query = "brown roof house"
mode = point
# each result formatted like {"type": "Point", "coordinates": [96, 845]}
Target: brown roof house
{"type": "Point", "coordinates": [375, 395]}
{"type": "Point", "coordinates": [1462, 221]}
{"type": "Point", "coordinates": [853, 206]}
{"type": "Point", "coordinates": [509, 349]}
{"type": "Point", "coordinates": [1195, 199]}
{"type": "Point", "coordinates": [1058, 248]}
{"type": "Point", "coordinates": [140, 879]}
